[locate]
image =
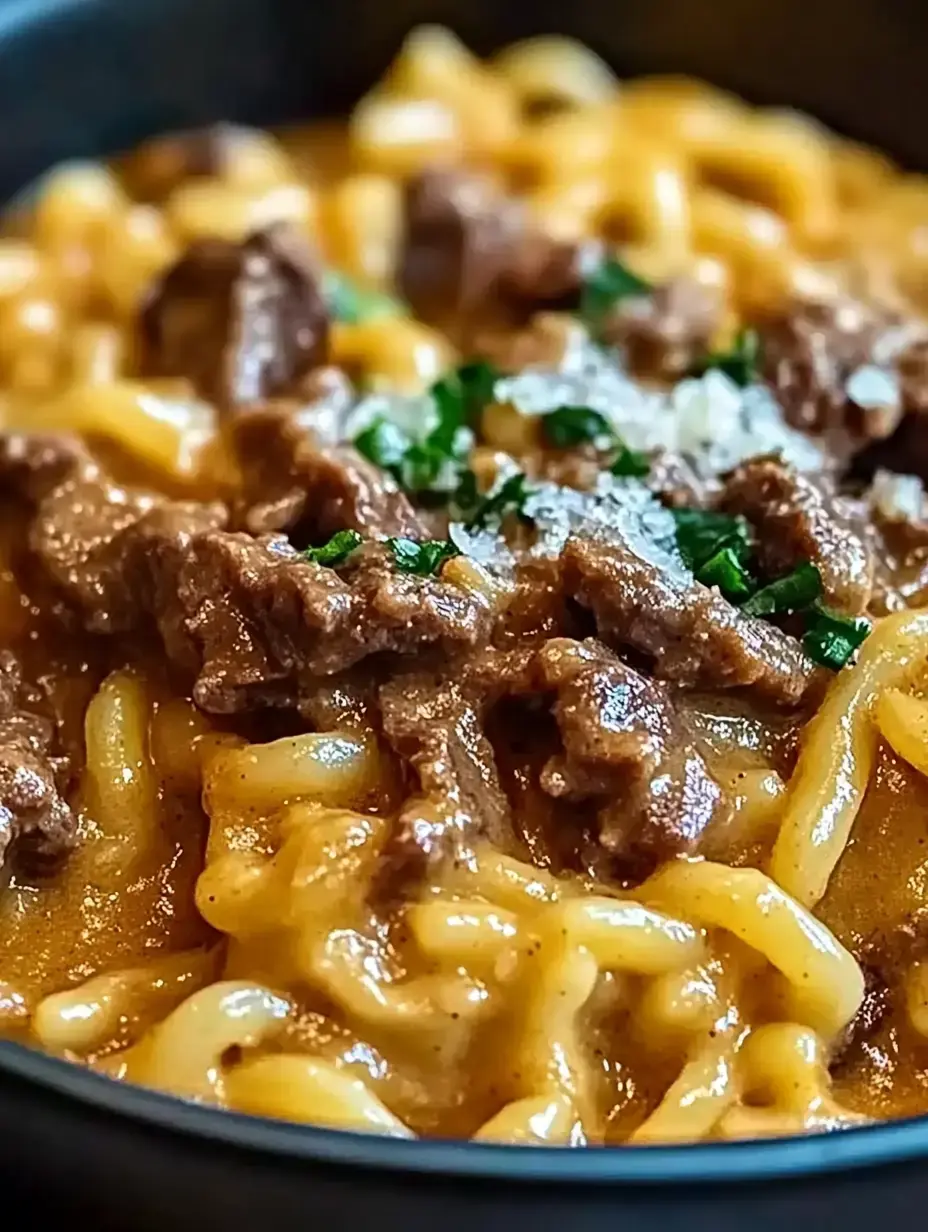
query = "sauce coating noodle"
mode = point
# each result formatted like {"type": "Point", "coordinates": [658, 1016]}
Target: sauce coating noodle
{"type": "Point", "coordinates": [278, 908]}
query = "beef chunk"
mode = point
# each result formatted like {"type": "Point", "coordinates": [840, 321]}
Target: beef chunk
{"type": "Point", "coordinates": [901, 574]}
{"type": "Point", "coordinates": [691, 633]}
{"type": "Point", "coordinates": [243, 322]}
{"type": "Point", "coordinates": [800, 518]}
{"type": "Point", "coordinates": [93, 536]}
{"type": "Point", "coordinates": [32, 466]}
{"type": "Point", "coordinates": [247, 618]}
{"type": "Point", "coordinates": [37, 828]}
{"type": "Point", "coordinates": [161, 165]}
{"type": "Point", "coordinates": [468, 248]}
{"type": "Point", "coordinates": [665, 332]}
{"type": "Point", "coordinates": [904, 452]}
{"type": "Point", "coordinates": [625, 747]}
{"type": "Point", "coordinates": [436, 726]}
{"type": "Point", "coordinates": [258, 617]}
{"type": "Point", "coordinates": [834, 370]}
{"type": "Point", "coordinates": [294, 485]}
{"type": "Point", "coordinates": [674, 479]}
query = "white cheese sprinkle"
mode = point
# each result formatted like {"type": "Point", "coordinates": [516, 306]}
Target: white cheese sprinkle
{"type": "Point", "coordinates": [709, 419]}
{"type": "Point", "coordinates": [897, 496]}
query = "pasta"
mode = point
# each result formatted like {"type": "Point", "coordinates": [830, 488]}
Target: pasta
{"type": "Point", "coordinates": [463, 654]}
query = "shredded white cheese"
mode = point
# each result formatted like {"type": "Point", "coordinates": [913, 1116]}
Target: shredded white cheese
{"type": "Point", "coordinates": [616, 511]}
{"type": "Point", "coordinates": [897, 496]}
{"type": "Point", "coordinates": [710, 419]}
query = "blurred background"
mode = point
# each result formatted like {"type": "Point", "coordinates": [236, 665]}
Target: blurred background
{"type": "Point", "coordinates": [80, 76]}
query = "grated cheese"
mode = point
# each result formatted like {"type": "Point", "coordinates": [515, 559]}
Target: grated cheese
{"type": "Point", "coordinates": [709, 419]}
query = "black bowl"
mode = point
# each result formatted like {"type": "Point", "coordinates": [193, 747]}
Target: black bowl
{"type": "Point", "coordinates": [84, 77]}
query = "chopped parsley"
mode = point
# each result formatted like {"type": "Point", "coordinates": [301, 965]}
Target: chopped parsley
{"type": "Point", "coordinates": [569, 426]}
{"type": "Point", "coordinates": [703, 534]}
{"type": "Point", "coordinates": [630, 463]}
{"type": "Point", "coordinates": [793, 593]}
{"type": "Point", "coordinates": [352, 304]}
{"type": "Point", "coordinates": [510, 497]}
{"type": "Point", "coordinates": [607, 285]}
{"type": "Point", "coordinates": [740, 362]}
{"type": "Point", "coordinates": [717, 548]}
{"type": "Point", "coordinates": [434, 467]}
{"type": "Point", "coordinates": [384, 444]}
{"type": "Point", "coordinates": [574, 425]}
{"type": "Point", "coordinates": [478, 381]}
{"type": "Point", "coordinates": [831, 639]}
{"type": "Point", "coordinates": [338, 548]}
{"type": "Point", "coordinates": [424, 559]}
{"type": "Point", "coordinates": [726, 570]}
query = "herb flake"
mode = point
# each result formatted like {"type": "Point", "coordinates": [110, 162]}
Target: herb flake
{"type": "Point", "coordinates": [423, 559]}
{"type": "Point", "coordinates": [725, 570]}
{"type": "Point", "coordinates": [568, 426]}
{"type": "Point", "coordinates": [630, 463]}
{"type": "Point", "coordinates": [703, 533]}
{"type": "Point", "coordinates": [831, 639]}
{"type": "Point", "coordinates": [607, 285]}
{"type": "Point", "coordinates": [510, 497]}
{"type": "Point", "coordinates": [352, 304]}
{"type": "Point", "coordinates": [338, 548]}
{"type": "Point", "coordinates": [793, 593]}
{"type": "Point", "coordinates": [740, 362]}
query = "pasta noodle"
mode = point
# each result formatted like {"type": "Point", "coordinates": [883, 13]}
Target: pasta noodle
{"type": "Point", "coordinates": [838, 756]}
{"type": "Point", "coordinates": [340, 838]}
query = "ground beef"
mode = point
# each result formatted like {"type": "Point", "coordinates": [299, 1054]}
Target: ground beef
{"type": "Point", "coordinates": [37, 828]}
{"type": "Point", "coordinates": [689, 633]}
{"type": "Point", "coordinates": [293, 484]}
{"type": "Point", "coordinates": [663, 333]}
{"type": "Point", "coordinates": [800, 518]}
{"type": "Point", "coordinates": [625, 748]}
{"type": "Point", "coordinates": [469, 249]}
{"type": "Point", "coordinates": [243, 322]}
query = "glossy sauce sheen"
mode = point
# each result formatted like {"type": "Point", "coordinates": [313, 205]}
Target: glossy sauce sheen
{"type": "Point", "coordinates": [491, 855]}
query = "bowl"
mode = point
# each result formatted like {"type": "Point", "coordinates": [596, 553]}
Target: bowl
{"type": "Point", "coordinates": [84, 77]}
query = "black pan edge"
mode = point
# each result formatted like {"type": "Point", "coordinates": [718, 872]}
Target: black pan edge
{"type": "Point", "coordinates": [890, 1143]}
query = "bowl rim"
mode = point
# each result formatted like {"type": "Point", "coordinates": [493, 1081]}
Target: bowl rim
{"type": "Point", "coordinates": [866, 1147]}
{"type": "Point", "coordinates": [889, 1143]}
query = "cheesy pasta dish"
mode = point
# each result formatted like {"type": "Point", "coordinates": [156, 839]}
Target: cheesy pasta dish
{"type": "Point", "coordinates": [463, 660]}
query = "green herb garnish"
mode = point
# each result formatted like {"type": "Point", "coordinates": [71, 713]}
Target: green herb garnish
{"type": "Point", "coordinates": [338, 548]}
{"type": "Point", "coordinates": [384, 444]}
{"type": "Point", "coordinates": [508, 498]}
{"type": "Point", "coordinates": [831, 639]}
{"type": "Point", "coordinates": [740, 362]}
{"type": "Point", "coordinates": [466, 496]}
{"type": "Point", "coordinates": [728, 573]}
{"type": "Point", "coordinates": [630, 463]}
{"type": "Point", "coordinates": [608, 284]}
{"type": "Point", "coordinates": [424, 559]}
{"type": "Point", "coordinates": [574, 425]}
{"type": "Point", "coordinates": [478, 380]}
{"type": "Point", "coordinates": [703, 533]}
{"type": "Point", "coordinates": [434, 467]}
{"type": "Point", "coordinates": [352, 304]}
{"type": "Point", "coordinates": [792, 593]}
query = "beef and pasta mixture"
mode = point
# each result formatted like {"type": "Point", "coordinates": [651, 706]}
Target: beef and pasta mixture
{"type": "Point", "coordinates": [463, 664]}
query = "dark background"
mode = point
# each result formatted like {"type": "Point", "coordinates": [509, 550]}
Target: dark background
{"type": "Point", "coordinates": [78, 77]}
